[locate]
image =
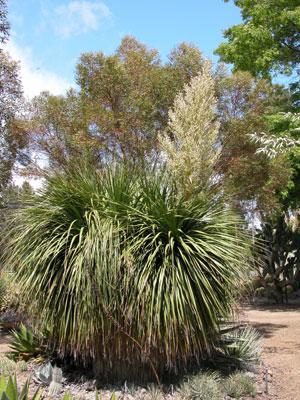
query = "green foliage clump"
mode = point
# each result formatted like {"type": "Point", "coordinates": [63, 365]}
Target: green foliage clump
{"type": "Point", "coordinates": [26, 345]}
{"type": "Point", "coordinates": [203, 386]}
{"type": "Point", "coordinates": [21, 366]}
{"type": "Point", "coordinates": [243, 345]}
{"type": "Point", "coordinates": [3, 290]}
{"type": "Point", "coordinates": [9, 390]}
{"type": "Point", "coordinates": [267, 39]}
{"type": "Point", "coordinates": [120, 265]}
{"type": "Point", "coordinates": [239, 385]}
{"type": "Point", "coordinates": [9, 292]}
{"type": "Point", "coordinates": [8, 366]}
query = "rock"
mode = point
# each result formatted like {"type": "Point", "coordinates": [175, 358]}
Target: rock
{"type": "Point", "coordinates": [89, 385]}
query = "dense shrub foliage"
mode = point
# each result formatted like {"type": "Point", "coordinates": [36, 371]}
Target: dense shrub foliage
{"type": "Point", "coordinates": [122, 269]}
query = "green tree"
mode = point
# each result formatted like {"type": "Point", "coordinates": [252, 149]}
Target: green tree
{"type": "Point", "coordinates": [250, 180]}
{"type": "Point", "coordinates": [13, 137]}
{"type": "Point", "coordinates": [267, 41]}
{"type": "Point", "coordinates": [59, 128]}
{"type": "Point", "coordinates": [4, 24]}
{"type": "Point", "coordinates": [121, 106]}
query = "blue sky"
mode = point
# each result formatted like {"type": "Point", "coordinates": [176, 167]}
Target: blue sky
{"type": "Point", "coordinates": [48, 36]}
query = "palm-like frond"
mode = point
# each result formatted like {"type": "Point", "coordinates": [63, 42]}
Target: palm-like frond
{"type": "Point", "coordinates": [113, 259]}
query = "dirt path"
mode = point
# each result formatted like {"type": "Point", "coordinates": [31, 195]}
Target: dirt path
{"type": "Point", "coordinates": [280, 327]}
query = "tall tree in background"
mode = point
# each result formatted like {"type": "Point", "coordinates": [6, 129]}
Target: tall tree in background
{"type": "Point", "coordinates": [12, 132]}
{"type": "Point", "coordinates": [122, 104]}
{"type": "Point", "coordinates": [4, 24]}
{"type": "Point", "coordinates": [251, 180]}
{"type": "Point", "coordinates": [267, 40]}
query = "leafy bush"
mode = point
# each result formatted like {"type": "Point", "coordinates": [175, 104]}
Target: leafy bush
{"type": "Point", "coordinates": [239, 385]}
{"type": "Point", "coordinates": [3, 289]}
{"type": "Point", "coordinates": [122, 268]}
{"type": "Point", "coordinates": [9, 292]}
{"type": "Point", "coordinates": [9, 390]}
{"type": "Point", "coordinates": [203, 386]}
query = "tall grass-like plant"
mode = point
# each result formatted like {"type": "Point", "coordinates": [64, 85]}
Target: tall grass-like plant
{"type": "Point", "coordinates": [125, 271]}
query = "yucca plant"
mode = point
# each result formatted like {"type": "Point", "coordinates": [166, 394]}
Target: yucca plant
{"type": "Point", "coordinates": [127, 272]}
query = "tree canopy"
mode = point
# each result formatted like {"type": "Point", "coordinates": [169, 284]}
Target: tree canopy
{"type": "Point", "coordinates": [121, 106]}
{"type": "Point", "coordinates": [4, 24]}
{"type": "Point", "coordinates": [267, 41]}
{"type": "Point", "coordinates": [13, 137]}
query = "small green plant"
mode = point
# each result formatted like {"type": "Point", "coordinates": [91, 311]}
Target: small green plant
{"type": "Point", "coordinates": [9, 390]}
{"type": "Point", "coordinates": [154, 393]}
{"type": "Point", "coordinates": [239, 385]}
{"type": "Point", "coordinates": [25, 345]}
{"type": "Point", "coordinates": [3, 289]}
{"type": "Point", "coordinates": [203, 386]}
{"type": "Point", "coordinates": [9, 292]}
{"type": "Point", "coordinates": [56, 382]}
{"type": "Point", "coordinates": [99, 396]}
{"type": "Point", "coordinates": [243, 345]}
{"type": "Point", "coordinates": [43, 374]}
{"type": "Point", "coordinates": [48, 375]}
{"type": "Point", "coordinates": [21, 366]}
{"type": "Point", "coordinates": [8, 366]}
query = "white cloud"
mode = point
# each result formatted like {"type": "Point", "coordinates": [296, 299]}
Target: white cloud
{"type": "Point", "coordinates": [34, 78]}
{"type": "Point", "coordinates": [79, 16]}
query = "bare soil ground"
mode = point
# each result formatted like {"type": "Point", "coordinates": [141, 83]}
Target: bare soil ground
{"type": "Point", "coordinates": [280, 328]}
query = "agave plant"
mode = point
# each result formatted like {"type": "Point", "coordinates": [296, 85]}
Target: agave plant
{"type": "Point", "coordinates": [25, 345]}
{"type": "Point", "coordinates": [243, 345]}
{"type": "Point", "coordinates": [126, 271]}
{"type": "Point", "coordinates": [203, 386]}
{"type": "Point", "coordinates": [9, 390]}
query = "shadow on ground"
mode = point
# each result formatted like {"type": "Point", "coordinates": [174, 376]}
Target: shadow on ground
{"type": "Point", "coordinates": [274, 307]}
{"type": "Point", "coordinates": [267, 329]}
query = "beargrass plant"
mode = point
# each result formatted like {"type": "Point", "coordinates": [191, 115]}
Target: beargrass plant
{"type": "Point", "coordinates": [126, 272]}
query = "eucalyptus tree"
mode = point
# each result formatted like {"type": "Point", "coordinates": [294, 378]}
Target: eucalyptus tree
{"type": "Point", "coordinates": [120, 108]}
